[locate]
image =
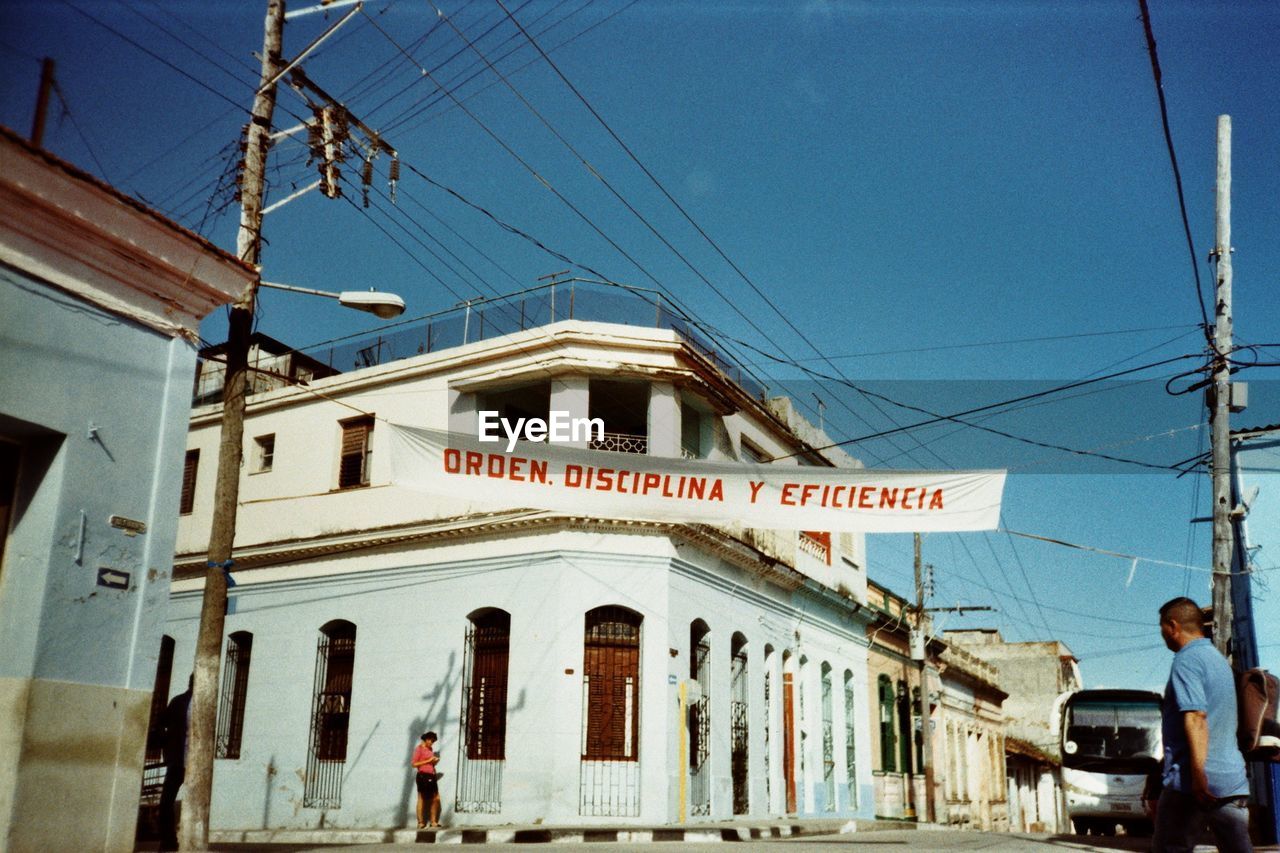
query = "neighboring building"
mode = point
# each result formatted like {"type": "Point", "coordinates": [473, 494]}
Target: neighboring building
{"type": "Point", "coordinates": [1035, 674]}
{"type": "Point", "coordinates": [101, 301]}
{"type": "Point", "coordinates": [973, 741]}
{"type": "Point", "coordinates": [549, 651]}
{"type": "Point", "coordinates": [271, 365]}
{"type": "Point", "coordinates": [894, 699]}
{"type": "Point", "coordinates": [966, 722]}
{"type": "Point", "coordinates": [1034, 795]}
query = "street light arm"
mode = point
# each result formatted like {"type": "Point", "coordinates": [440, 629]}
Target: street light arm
{"type": "Point", "coordinates": [383, 305]}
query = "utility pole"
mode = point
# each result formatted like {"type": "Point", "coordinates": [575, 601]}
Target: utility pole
{"type": "Point", "coordinates": [926, 735]}
{"type": "Point", "coordinates": [42, 102]}
{"type": "Point", "coordinates": [1220, 399]}
{"type": "Point", "coordinates": [213, 607]}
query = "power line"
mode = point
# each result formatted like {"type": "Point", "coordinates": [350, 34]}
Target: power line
{"type": "Point", "coordinates": [1173, 160]}
{"type": "Point", "coordinates": [977, 344]}
{"type": "Point", "coordinates": [152, 54]}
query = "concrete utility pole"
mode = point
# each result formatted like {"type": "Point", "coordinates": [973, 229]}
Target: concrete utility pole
{"type": "Point", "coordinates": [1220, 399]}
{"type": "Point", "coordinates": [213, 608]}
{"type": "Point", "coordinates": [926, 739]}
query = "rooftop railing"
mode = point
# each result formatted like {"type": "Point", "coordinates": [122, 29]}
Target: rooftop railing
{"type": "Point", "coordinates": [483, 319]}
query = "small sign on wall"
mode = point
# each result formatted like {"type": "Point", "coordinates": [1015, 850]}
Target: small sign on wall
{"type": "Point", "coordinates": [113, 578]}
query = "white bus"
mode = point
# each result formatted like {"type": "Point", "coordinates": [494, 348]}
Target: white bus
{"type": "Point", "coordinates": [1110, 742]}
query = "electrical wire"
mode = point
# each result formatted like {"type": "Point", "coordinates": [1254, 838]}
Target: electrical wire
{"type": "Point", "coordinates": [1173, 161]}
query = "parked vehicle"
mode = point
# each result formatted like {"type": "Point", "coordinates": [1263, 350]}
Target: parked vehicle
{"type": "Point", "coordinates": [1110, 743]}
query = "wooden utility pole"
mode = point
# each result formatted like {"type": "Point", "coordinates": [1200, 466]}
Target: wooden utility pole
{"type": "Point", "coordinates": [213, 607]}
{"type": "Point", "coordinates": [42, 102]}
{"type": "Point", "coordinates": [926, 739]}
{"type": "Point", "coordinates": [1220, 399]}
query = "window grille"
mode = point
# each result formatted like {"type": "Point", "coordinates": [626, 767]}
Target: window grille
{"type": "Point", "coordinates": [801, 692]}
{"type": "Point", "coordinates": [850, 740]}
{"type": "Point", "coordinates": [917, 726]}
{"type": "Point", "coordinates": [828, 743]}
{"type": "Point", "coordinates": [700, 720]}
{"type": "Point", "coordinates": [620, 442]}
{"type": "Point", "coordinates": [609, 772]}
{"type": "Point", "coordinates": [888, 733]}
{"type": "Point", "coordinates": [356, 453]}
{"type": "Point", "coordinates": [817, 544]}
{"type": "Point", "coordinates": [904, 728]}
{"type": "Point", "coordinates": [330, 716]}
{"type": "Point", "coordinates": [739, 726]}
{"type": "Point", "coordinates": [187, 502]}
{"type": "Point", "coordinates": [482, 752]}
{"type": "Point", "coordinates": [235, 687]}
{"type": "Point", "coordinates": [768, 728]}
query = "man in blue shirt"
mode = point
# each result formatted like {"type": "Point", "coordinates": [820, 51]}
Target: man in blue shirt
{"type": "Point", "coordinates": [1204, 779]}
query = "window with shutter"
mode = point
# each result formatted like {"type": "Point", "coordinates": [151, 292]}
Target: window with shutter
{"type": "Point", "coordinates": [188, 500]}
{"type": "Point", "coordinates": [611, 685]}
{"type": "Point", "coordinates": [356, 452]}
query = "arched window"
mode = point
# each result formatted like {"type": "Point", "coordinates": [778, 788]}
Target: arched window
{"type": "Point", "coordinates": [850, 739]}
{"type": "Point", "coordinates": [235, 690]}
{"type": "Point", "coordinates": [888, 730]}
{"type": "Point", "coordinates": [700, 719]}
{"type": "Point", "coordinates": [828, 741]}
{"type": "Point", "coordinates": [739, 723]}
{"type": "Point", "coordinates": [485, 662]}
{"type": "Point", "coordinates": [611, 684]}
{"type": "Point", "coordinates": [769, 690]}
{"type": "Point", "coordinates": [904, 728]}
{"type": "Point", "coordinates": [609, 773]}
{"type": "Point", "coordinates": [330, 715]}
{"type": "Point", "coordinates": [489, 648]}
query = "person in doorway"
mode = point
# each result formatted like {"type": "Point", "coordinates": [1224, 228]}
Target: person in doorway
{"type": "Point", "coordinates": [174, 750]}
{"type": "Point", "coordinates": [1203, 773]}
{"type": "Point", "coordinates": [425, 760]}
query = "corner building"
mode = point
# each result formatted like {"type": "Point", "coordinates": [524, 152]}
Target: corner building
{"type": "Point", "coordinates": [579, 670]}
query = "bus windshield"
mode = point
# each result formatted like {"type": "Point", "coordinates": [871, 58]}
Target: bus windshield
{"type": "Point", "coordinates": [1112, 735]}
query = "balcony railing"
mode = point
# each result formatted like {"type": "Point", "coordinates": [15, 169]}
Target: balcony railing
{"type": "Point", "coordinates": [484, 319]}
{"type": "Point", "coordinates": [621, 442]}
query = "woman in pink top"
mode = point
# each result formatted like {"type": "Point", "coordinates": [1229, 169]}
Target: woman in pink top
{"type": "Point", "coordinates": [424, 762]}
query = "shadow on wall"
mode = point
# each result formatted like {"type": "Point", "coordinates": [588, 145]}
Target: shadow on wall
{"type": "Point", "coordinates": [435, 718]}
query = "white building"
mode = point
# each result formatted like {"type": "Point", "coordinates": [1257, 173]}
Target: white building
{"type": "Point", "coordinates": [550, 652]}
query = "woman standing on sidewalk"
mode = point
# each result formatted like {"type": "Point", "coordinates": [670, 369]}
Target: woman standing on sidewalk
{"type": "Point", "coordinates": [424, 762]}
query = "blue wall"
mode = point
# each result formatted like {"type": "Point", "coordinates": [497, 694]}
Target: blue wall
{"type": "Point", "coordinates": [69, 368]}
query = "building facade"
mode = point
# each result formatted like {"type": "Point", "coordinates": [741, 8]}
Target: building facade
{"type": "Point", "coordinates": [973, 741]}
{"type": "Point", "coordinates": [960, 781]}
{"type": "Point", "coordinates": [1035, 674]}
{"type": "Point", "coordinates": [101, 301]}
{"type": "Point", "coordinates": [579, 670]}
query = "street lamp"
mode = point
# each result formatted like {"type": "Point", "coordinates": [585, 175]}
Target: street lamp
{"type": "Point", "coordinates": [384, 305]}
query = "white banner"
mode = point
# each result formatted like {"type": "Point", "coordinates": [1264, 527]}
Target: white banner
{"type": "Point", "coordinates": [623, 485]}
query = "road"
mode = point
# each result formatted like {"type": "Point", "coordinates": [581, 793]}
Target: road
{"type": "Point", "coordinates": [886, 840]}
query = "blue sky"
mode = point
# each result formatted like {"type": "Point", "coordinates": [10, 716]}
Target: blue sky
{"type": "Point", "coordinates": [899, 179]}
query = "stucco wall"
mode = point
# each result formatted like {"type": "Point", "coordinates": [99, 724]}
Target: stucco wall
{"type": "Point", "coordinates": [98, 405]}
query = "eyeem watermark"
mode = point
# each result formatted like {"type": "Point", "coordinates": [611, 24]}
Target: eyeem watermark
{"type": "Point", "coordinates": [560, 427]}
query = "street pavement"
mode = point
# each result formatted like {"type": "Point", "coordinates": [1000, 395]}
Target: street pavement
{"type": "Point", "coordinates": [886, 840]}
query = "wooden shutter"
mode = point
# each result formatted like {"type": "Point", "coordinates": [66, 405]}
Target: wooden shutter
{"type": "Point", "coordinates": [353, 467]}
{"type": "Point", "coordinates": [188, 500]}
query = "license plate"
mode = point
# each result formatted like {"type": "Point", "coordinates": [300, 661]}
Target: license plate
{"type": "Point", "coordinates": [1122, 807]}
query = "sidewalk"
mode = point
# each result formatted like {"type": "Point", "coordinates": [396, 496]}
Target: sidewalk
{"type": "Point", "coordinates": [740, 830]}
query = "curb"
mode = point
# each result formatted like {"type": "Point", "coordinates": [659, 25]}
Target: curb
{"type": "Point", "coordinates": [630, 836]}
{"type": "Point", "coordinates": [532, 835]}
